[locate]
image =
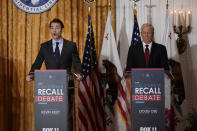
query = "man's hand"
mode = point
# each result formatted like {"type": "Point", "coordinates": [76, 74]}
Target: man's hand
{"type": "Point", "coordinates": [127, 75]}
{"type": "Point", "coordinates": [29, 78]}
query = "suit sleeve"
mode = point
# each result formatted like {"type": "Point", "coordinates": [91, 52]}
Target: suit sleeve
{"type": "Point", "coordinates": [129, 59]}
{"type": "Point", "coordinates": [76, 60]}
{"type": "Point", "coordinates": [164, 59]}
{"type": "Point", "coordinates": [38, 61]}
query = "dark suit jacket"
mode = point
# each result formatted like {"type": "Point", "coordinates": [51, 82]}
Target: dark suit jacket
{"type": "Point", "coordinates": [68, 56]}
{"type": "Point", "coordinates": [158, 57]}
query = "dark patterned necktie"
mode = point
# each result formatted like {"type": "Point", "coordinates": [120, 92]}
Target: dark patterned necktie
{"type": "Point", "coordinates": [57, 53]}
{"type": "Point", "coordinates": [147, 54]}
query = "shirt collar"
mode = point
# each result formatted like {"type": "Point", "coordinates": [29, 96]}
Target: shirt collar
{"type": "Point", "coordinates": [149, 45]}
{"type": "Point", "coordinates": [60, 41]}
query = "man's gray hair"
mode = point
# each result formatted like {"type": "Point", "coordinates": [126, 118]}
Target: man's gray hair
{"type": "Point", "coordinates": [147, 25]}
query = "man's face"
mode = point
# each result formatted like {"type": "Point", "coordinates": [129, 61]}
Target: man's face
{"type": "Point", "coordinates": [147, 34]}
{"type": "Point", "coordinates": [56, 30]}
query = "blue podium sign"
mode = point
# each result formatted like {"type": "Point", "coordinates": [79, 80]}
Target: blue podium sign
{"type": "Point", "coordinates": [148, 104]}
{"type": "Point", "coordinates": [50, 100]}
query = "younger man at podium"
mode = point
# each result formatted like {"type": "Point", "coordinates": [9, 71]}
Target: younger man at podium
{"type": "Point", "coordinates": [58, 53]}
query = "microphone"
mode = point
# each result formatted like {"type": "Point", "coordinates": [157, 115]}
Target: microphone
{"type": "Point", "coordinates": [169, 74]}
{"type": "Point", "coordinates": [77, 76]}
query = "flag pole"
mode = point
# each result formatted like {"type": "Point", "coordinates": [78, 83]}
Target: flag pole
{"type": "Point", "coordinates": [167, 5]}
{"type": "Point", "coordinates": [89, 2]}
{"type": "Point", "coordinates": [76, 103]}
{"type": "Point", "coordinates": [110, 5]}
{"type": "Point", "coordinates": [135, 3]}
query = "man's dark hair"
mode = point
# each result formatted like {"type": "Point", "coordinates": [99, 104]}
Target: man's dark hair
{"type": "Point", "coordinates": [57, 21]}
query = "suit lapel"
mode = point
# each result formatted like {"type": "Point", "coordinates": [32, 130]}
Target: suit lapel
{"type": "Point", "coordinates": [63, 49]}
{"type": "Point", "coordinates": [50, 48]}
{"type": "Point", "coordinates": [142, 57]}
{"type": "Point", "coordinates": [153, 49]}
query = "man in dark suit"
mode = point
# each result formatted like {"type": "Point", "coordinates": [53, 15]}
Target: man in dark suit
{"type": "Point", "coordinates": [147, 54]}
{"type": "Point", "coordinates": [61, 57]}
{"type": "Point", "coordinates": [59, 53]}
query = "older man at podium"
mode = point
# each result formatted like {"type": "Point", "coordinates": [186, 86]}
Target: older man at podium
{"type": "Point", "coordinates": [147, 54]}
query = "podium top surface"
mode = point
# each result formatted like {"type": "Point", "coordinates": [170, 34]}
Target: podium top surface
{"type": "Point", "coordinates": [147, 69]}
{"type": "Point", "coordinates": [50, 70]}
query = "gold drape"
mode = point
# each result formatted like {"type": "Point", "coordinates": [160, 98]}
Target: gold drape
{"type": "Point", "coordinates": [20, 37]}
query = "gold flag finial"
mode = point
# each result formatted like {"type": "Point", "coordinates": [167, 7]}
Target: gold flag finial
{"type": "Point", "coordinates": [110, 4]}
{"type": "Point", "coordinates": [135, 3]}
{"type": "Point", "coordinates": [89, 2]}
{"type": "Point", "coordinates": [167, 5]}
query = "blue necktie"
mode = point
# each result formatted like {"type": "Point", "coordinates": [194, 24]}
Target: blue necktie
{"type": "Point", "coordinates": [57, 53]}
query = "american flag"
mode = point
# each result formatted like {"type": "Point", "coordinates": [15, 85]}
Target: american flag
{"type": "Point", "coordinates": [90, 93]}
{"type": "Point", "coordinates": [124, 97]}
{"type": "Point", "coordinates": [124, 106]}
{"type": "Point", "coordinates": [136, 39]}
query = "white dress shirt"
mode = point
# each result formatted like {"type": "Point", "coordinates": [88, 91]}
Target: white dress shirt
{"type": "Point", "coordinates": [60, 44]}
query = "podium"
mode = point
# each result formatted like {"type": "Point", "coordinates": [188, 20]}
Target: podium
{"type": "Point", "coordinates": [51, 100]}
{"type": "Point", "coordinates": [148, 99]}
